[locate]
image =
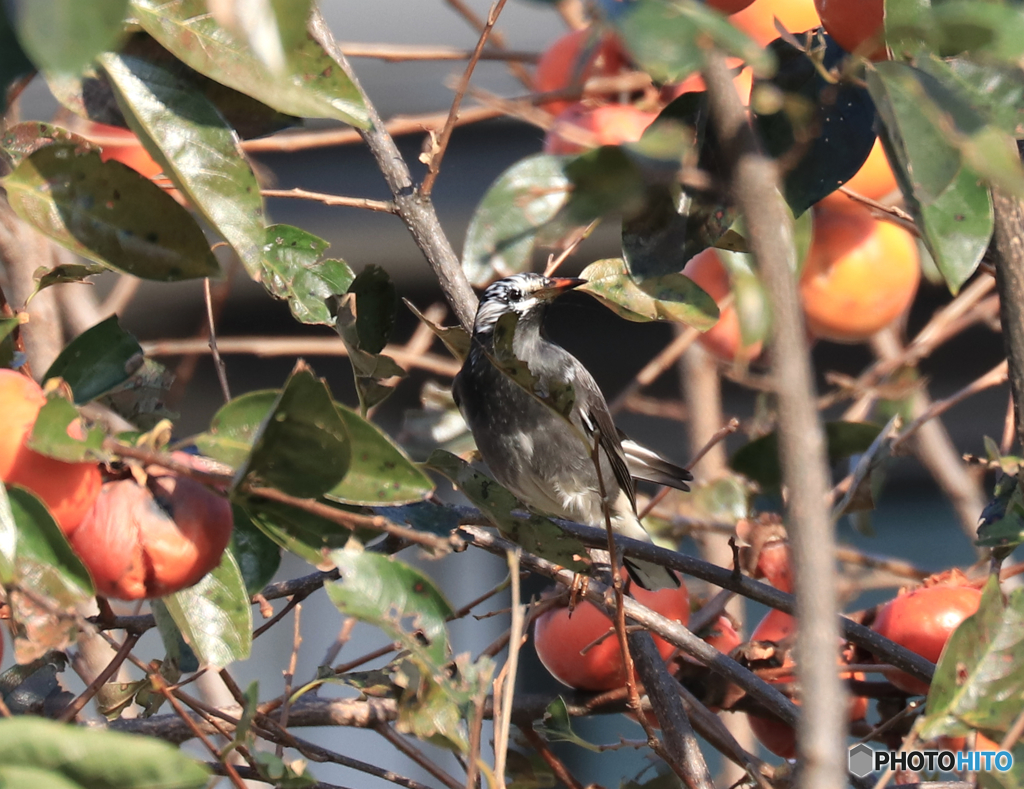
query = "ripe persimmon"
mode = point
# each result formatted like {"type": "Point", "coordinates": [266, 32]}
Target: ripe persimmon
{"type": "Point", "coordinates": [579, 127]}
{"type": "Point", "coordinates": [874, 179]}
{"type": "Point", "coordinates": [67, 489]}
{"type": "Point", "coordinates": [561, 65]}
{"type": "Point", "coordinates": [860, 275]}
{"type": "Point", "coordinates": [728, 6]}
{"type": "Point", "coordinates": [922, 620]}
{"type": "Point", "coordinates": [855, 24]}
{"type": "Point", "coordinates": [155, 539]}
{"type": "Point", "coordinates": [560, 636]}
{"type": "Point", "coordinates": [758, 20]}
{"type": "Point", "coordinates": [723, 339]}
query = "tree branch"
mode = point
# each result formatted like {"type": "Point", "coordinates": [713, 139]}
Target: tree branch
{"type": "Point", "coordinates": [755, 182]}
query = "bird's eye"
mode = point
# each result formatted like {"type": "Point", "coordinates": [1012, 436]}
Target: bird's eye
{"type": "Point", "coordinates": [515, 295]}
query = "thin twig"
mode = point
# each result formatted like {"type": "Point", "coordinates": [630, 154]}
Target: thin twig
{"type": "Point", "coordinates": [720, 435]}
{"type": "Point", "coordinates": [76, 706]}
{"type": "Point", "coordinates": [343, 636]}
{"type": "Point", "coordinates": [438, 151]}
{"type": "Point", "coordinates": [414, 753]}
{"type": "Point", "coordinates": [218, 362]}
{"type": "Point", "coordinates": [384, 206]}
{"type": "Point", "coordinates": [295, 346]}
{"type": "Point", "coordinates": [502, 725]}
{"type": "Point", "coordinates": [994, 377]}
{"type": "Point", "coordinates": [497, 39]}
{"type": "Point", "coordinates": [290, 674]}
{"type": "Point", "coordinates": [400, 53]}
{"type": "Point", "coordinates": [557, 765]}
{"type": "Point", "coordinates": [654, 368]}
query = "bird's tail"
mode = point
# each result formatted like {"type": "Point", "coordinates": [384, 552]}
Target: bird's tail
{"type": "Point", "coordinates": [650, 576]}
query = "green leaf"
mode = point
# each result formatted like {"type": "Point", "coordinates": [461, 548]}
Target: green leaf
{"type": "Point", "coordinates": [25, 138]}
{"type": "Point", "coordinates": [65, 35]}
{"type": "Point", "coordinates": [408, 607]}
{"type": "Point", "coordinates": [534, 533]}
{"type": "Point", "coordinates": [308, 536]}
{"type": "Point", "coordinates": [990, 31]}
{"type": "Point", "coordinates": [836, 119]}
{"type": "Point", "coordinates": [257, 556]}
{"type": "Point", "coordinates": [8, 540]}
{"type": "Point", "coordinates": [49, 580]}
{"type": "Point", "coordinates": [423, 515]}
{"type": "Point", "coordinates": [235, 425]}
{"type": "Point", "coordinates": [90, 95]}
{"type": "Point", "coordinates": [183, 131]}
{"type": "Point", "coordinates": [506, 223]}
{"type": "Point", "coordinates": [107, 212]}
{"type": "Point", "coordinates": [293, 268]}
{"type": "Point", "coordinates": [978, 681]}
{"type": "Point", "coordinates": [1002, 521]}
{"type": "Point", "coordinates": [54, 428]}
{"type": "Point", "coordinates": [556, 726]}
{"type": "Point", "coordinates": [996, 91]}
{"type": "Point", "coordinates": [177, 650]}
{"type": "Point", "coordinates": [1011, 779]}
{"type": "Point", "coordinates": [380, 473]}
{"type": "Point", "coordinates": [758, 460]}
{"type": "Point", "coordinates": [313, 85]}
{"type": "Point", "coordinates": [63, 273]}
{"type": "Point", "coordinates": [43, 559]}
{"type": "Point", "coordinates": [61, 755]}
{"type": "Point", "coordinates": [668, 38]}
{"type": "Point", "coordinates": [670, 297]}
{"type": "Point", "coordinates": [376, 305]}
{"type": "Point", "coordinates": [97, 360]}
{"type": "Point", "coordinates": [215, 616]}
{"type": "Point", "coordinates": [140, 399]}
{"type": "Point", "coordinates": [400, 600]}
{"type": "Point", "coordinates": [302, 447]}
{"type": "Point", "coordinates": [14, 63]}
{"type": "Point", "coordinates": [749, 298]}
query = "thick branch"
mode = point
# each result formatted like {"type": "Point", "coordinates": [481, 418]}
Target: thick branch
{"type": "Point", "coordinates": [1009, 260]}
{"type": "Point", "coordinates": [821, 733]}
{"type": "Point", "coordinates": [416, 211]}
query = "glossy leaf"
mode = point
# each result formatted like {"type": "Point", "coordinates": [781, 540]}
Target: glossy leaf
{"type": "Point", "coordinates": [14, 63]}
{"type": "Point", "coordinates": [426, 516]}
{"type": "Point", "coordinates": [234, 427]}
{"type": "Point", "coordinates": [397, 598]}
{"type": "Point", "coordinates": [59, 433]}
{"type": "Point", "coordinates": [670, 297]}
{"type": "Point", "coordinates": [749, 298]}
{"type": "Point", "coordinates": [376, 305]}
{"type": "Point", "coordinates": [534, 533]}
{"type": "Point", "coordinates": [44, 616]}
{"type": "Point", "coordinates": [177, 651]}
{"type": "Point", "coordinates": [293, 268]}
{"type": "Point", "coordinates": [938, 106]}
{"type": "Point", "coordinates": [25, 138]}
{"type": "Point", "coordinates": [107, 212]}
{"type": "Point", "coordinates": [309, 537]}
{"type": "Point", "coordinates": [989, 31]}
{"type": "Point", "coordinates": [996, 91]}
{"type": "Point", "coordinates": [1001, 524]}
{"type": "Point", "coordinates": [759, 459]}
{"type": "Point", "coordinates": [838, 119]}
{"type": "Point", "coordinates": [257, 556]}
{"type": "Point", "coordinates": [97, 360]}
{"type": "Point", "coordinates": [380, 473]}
{"type": "Point", "coordinates": [978, 683]}
{"type": "Point", "coordinates": [556, 726]}
{"type": "Point", "coordinates": [506, 224]}
{"type": "Point", "coordinates": [312, 86]}
{"type": "Point", "coordinates": [65, 35]}
{"type": "Point", "coordinates": [141, 398]}
{"type": "Point", "coordinates": [8, 540]}
{"type": "Point", "coordinates": [183, 132]}
{"type": "Point", "coordinates": [302, 447]}
{"type": "Point", "coordinates": [90, 95]}
{"type": "Point", "coordinates": [38, 752]}
{"type": "Point", "coordinates": [215, 616]}
{"type": "Point", "coordinates": [668, 38]}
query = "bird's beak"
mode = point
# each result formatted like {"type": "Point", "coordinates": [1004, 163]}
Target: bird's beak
{"type": "Point", "coordinates": [558, 286]}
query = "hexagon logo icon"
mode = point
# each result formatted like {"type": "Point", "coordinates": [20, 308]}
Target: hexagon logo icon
{"type": "Point", "coordinates": [862, 760]}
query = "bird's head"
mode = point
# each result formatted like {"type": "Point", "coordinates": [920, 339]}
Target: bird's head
{"type": "Point", "coordinates": [527, 295]}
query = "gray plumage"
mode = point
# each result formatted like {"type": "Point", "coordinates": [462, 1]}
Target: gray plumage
{"type": "Point", "coordinates": [531, 450]}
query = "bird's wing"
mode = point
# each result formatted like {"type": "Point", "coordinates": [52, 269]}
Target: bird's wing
{"type": "Point", "coordinates": [596, 418]}
{"type": "Point", "coordinates": [648, 465]}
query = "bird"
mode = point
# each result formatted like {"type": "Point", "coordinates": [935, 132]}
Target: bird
{"type": "Point", "coordinates": [538, 454]}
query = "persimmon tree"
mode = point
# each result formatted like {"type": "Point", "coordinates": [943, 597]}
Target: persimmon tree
{"type": "Point", "coordinates": [666, 117]}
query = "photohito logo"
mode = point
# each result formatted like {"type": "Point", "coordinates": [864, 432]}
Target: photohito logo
{"type": "Point", "coordinates": [864, 760]}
